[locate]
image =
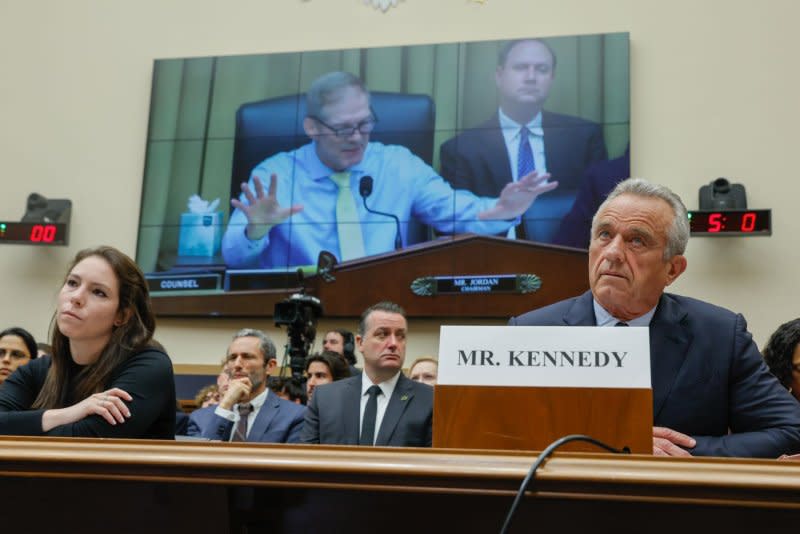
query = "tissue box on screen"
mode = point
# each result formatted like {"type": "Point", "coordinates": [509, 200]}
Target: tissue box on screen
{"type": "Point", "coordinates": [200, 234]}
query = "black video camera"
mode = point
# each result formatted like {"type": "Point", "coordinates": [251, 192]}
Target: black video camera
{"type": "Point", "coordinates": [298, 310]}
{"type": "Point", "coordinates": [299, 313]}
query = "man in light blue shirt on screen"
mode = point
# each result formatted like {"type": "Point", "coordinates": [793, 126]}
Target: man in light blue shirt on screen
{"type": "Point", "coordinates": [297, 204]}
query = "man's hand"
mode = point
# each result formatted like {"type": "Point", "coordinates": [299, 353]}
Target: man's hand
{"type": "Point", "coordinates": [262, 211]}
{"type": "Point", "coordinates": [668, 442]}
{"type": "Point", "coordinates": [238, 391]}
{"type": "Point", "coordinates": [517, 197]}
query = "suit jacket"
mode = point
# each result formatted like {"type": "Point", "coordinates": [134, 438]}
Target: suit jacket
{"type": "Point", "coordinates": [477, 160]}
{"type": "Point", "coordinates": [709, 380]}
{"type": "Point", "coordinates": [600, 179]}
{"type": "Point", "coordinates": [333, 416]}
{"type": "Point", "coordinates": [181, 423]}
{"type": "Point", "coordinates": [199, 420]}
{"type": "Point", "coordinates": [278, 421]}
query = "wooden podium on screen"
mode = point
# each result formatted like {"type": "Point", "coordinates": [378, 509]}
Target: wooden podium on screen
{"type": "Point", "coordinates": [599, 387]}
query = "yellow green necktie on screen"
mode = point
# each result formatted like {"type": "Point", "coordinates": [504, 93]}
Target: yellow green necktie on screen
{"type": "Point", "coordinates": [348, 226]}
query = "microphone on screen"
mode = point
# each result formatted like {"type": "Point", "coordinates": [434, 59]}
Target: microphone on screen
{"type": "Point", "coordinates": [365, 188]}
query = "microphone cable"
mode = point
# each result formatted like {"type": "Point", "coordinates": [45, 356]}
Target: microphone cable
{"type": "Point", "coordinates": [540, 460]}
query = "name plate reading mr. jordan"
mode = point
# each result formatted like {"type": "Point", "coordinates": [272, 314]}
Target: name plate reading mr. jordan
{"type": "Point", "coordinates": [545, 356]}
{"type": "Point", "coordinates": [430, 286]}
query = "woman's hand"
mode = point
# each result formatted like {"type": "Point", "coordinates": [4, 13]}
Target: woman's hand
{"type": "Point", "coordinates": [108, 404]}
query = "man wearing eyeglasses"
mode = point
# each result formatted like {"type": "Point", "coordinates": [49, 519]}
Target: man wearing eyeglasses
{"type": "Point", "coordinates": [297, 204]}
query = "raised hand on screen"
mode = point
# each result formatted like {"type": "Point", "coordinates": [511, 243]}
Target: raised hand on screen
{"type": "Point", "coordinates": [262, 211]}
{"type": "Point", "coordinates": [517, 197]}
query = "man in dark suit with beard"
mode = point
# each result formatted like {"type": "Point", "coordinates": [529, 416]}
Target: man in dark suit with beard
{"type": "Point", "coordinates": [522, 137]}
{"type": "Point", "coordinates": [379, 406]}
{"type": "Point", "coordinates": [712, 393]}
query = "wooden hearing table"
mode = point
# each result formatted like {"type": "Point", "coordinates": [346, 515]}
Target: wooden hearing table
{"type": "Point", "coordinates": [95, 485]}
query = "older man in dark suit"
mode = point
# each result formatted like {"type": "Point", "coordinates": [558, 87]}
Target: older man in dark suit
{"type": "Point", "coordinates": [712, 393]}
{"type": "Point", "coordinates": [379, 406]}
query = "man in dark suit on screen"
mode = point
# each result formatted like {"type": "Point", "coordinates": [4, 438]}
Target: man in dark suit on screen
{"type": "Point", "coordinates": [712, 393]}
{"type": "Point", "coordinates": [522, 137]}
{"type": "Point", "coordinates": [379, 406]}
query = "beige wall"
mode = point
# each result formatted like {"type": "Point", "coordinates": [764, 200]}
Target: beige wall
{"type": "Point", "coordinates": [713, 88]}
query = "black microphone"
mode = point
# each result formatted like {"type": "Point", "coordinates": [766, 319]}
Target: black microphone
{"type": "Point", "coordinates": [365, 188]}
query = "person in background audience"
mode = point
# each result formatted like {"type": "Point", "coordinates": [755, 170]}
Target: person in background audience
{"type": "Point", "coordinates": [247, 411]}
{"type": "Point", "coordinates": [425, 370]}
{"type": "Point", "coordinates": [17, 347]}
{"type": "Point", "coordinates": [323, 368]}
{"type": "Point", "coordinates": [342, 342]}
{"type": "Point", "coordinates": [105, 377]}
{"type": "Point", "coordinates": [288, 388]}
{"type": "Point", "coordinates": [208, 396]}
{"type": "Point", "coordinates": [44, 349]}
{"type": "Point", "coordinates": [782, 354]}
{"type": "Point", "coordinates": [379, 406]}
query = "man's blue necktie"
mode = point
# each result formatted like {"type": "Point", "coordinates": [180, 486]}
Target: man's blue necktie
{"type": "Point", "coordinates": [525, 162]}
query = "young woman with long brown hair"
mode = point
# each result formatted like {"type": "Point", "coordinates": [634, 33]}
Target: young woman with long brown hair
{"type": "Point", "coordinates": [106, 376]}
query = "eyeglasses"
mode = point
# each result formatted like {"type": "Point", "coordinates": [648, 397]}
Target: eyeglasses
{"type": "Point", "coordinates": [364, 127]}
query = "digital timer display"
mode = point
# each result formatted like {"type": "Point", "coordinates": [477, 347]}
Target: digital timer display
{"type": "Point", "coordinates": [730, 222]}
{"type": "Point", "coordinates": [27, 233]}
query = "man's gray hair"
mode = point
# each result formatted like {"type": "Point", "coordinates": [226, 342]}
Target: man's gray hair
{"type": "Point", "coordinates": [677, 233]}
{"type": "Point", "coordinates": [265, 343]}
{"type": "Point", "coordinates": [327, 89]}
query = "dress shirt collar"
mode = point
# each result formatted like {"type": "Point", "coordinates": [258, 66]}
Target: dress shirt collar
{"type": "Point", "coordinates": [318, 170]}
{"type": "Point", "coordinates": [603, 318]}
{"type": "Point", "coordinates": [387, 386]}
{"type": "Point", "coordinates": [511, 128]}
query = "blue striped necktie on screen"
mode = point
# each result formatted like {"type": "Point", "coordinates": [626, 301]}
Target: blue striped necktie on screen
{"type": "Point", "coordinates": [525, 162]}
{"type": "Point", "coordinates": [348, 225]}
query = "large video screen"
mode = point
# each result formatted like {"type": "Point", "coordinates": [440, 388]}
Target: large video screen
{"type": "Point", "coordinates": [259, 164]}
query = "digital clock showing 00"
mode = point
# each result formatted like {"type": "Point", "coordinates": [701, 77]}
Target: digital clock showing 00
{"type": "Point", "coordinates": [730, 222]}
{"type": "Point", "coordinates": [27, 233]}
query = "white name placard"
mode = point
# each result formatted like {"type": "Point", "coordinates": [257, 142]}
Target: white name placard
{"type": "Point", "coordinates": [551, 356]}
